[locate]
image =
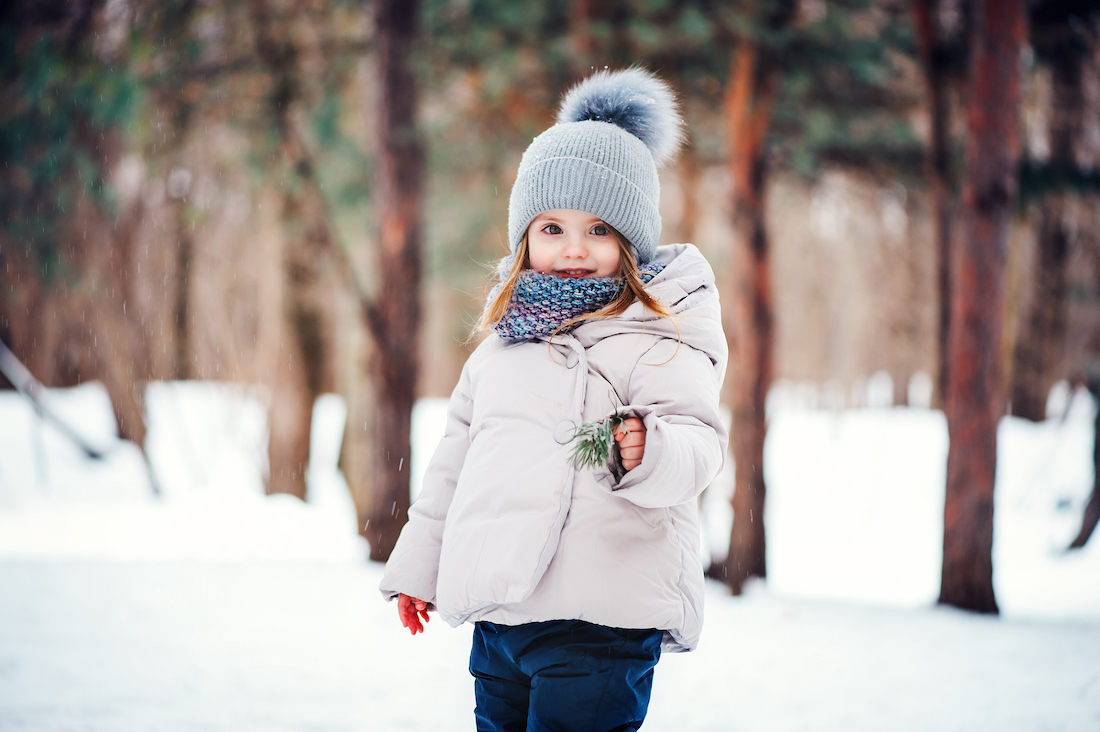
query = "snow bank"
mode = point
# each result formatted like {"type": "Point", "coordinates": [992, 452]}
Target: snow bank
{"type": "Point", "coordinates": [41, 465]}
{"type": "Point", "coordinates": [855, 504]}
{"type": "Point", "coordinates": [855, 509]}
{"type": "Point", "coordinates": [207, 457]}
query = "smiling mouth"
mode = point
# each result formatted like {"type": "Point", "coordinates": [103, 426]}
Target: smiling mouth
{"type": "Point", "coordinates": [574, 273]}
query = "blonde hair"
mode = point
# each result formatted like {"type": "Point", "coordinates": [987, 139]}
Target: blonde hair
{"type": "Point", "coordinates": [497, 307]}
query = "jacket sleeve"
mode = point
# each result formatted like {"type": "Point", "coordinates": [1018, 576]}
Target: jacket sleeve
{"type": "Point", "coordinates": [414, 563]}
{"type": "Point", "coordinates": [674, 389]}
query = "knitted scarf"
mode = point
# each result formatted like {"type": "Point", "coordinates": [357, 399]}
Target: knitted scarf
{"type": "Point", "coordinates": [542, 303]}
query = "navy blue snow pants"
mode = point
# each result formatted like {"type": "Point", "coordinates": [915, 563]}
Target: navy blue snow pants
{"type": "Point", "coordinates": [562, 676]}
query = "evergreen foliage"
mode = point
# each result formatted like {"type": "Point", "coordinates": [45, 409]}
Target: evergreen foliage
{"type": "Point", "coordinates": [844, 97]}
{"type": "Point", "coordinates": [60, 108]}
{"type": "Point", "coordinates": [595, 441]}
{"type": "Point", "coordinates": [848, 69]}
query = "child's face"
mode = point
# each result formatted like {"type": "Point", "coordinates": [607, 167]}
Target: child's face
{"type": "Point", "coordinates": [570, 243]}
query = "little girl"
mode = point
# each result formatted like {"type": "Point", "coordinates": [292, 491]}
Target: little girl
{"type": "Point", "coordinates": [577, 570]}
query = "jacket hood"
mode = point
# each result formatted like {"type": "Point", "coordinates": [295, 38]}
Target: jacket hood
{"type": "Point", "coordinates": [687, 288]}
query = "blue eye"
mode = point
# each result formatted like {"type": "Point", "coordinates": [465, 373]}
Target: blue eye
{"type": "Point", "coordinates": [552, 229]}
{"type": "Point", "coordinates": [600, 230]}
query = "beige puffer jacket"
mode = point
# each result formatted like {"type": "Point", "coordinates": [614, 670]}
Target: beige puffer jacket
{"type": "Point", "coordinates": [506, 530]}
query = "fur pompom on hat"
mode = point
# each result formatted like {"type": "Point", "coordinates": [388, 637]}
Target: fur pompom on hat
{"type": "Point", "coordinates": [613, 131]}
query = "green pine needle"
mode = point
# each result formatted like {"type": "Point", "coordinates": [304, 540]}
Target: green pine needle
{"type": "Point", "coordinates": [595, 440]}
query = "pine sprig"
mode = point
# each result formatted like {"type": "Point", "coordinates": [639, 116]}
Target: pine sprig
{"type": "Point", "coordinates": [595, 440]}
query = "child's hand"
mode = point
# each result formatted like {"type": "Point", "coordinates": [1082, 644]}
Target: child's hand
{"type": "Point", "coordinates": [410, 610]}
{"type": "Point", "coordinates": [631, 438]}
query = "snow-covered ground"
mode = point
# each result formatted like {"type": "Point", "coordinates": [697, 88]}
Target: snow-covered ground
{"type": "Point", "coordinates": [212, 607]}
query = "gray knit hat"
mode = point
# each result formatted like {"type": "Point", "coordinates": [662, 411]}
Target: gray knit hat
{"type": "Point", "coordinates": [613, 131]}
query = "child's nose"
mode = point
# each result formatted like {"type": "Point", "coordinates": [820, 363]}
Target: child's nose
{"type": "Point", "coordinates": [575, 247]}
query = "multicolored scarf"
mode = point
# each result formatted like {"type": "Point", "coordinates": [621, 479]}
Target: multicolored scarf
{"type": "Point", "coordinates": [542, 303]}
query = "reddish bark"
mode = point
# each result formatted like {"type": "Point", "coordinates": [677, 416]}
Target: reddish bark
{"type": "Point", "coordinates": [747, 108]}
{"type": "Point", "coordinates": [394, 314]}
{"type": "Point", "coordinates": [975, 390]}
{"type": "Point", "coordinates": [688, 175]}
{"type": "Point", "coordinates": [580, 16]}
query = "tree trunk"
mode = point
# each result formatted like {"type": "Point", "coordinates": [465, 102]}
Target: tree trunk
{"type": "Point", "coordinates": [305, 361]}
{"type": "Point", "coordinates": [1092, 508]}
{"type": "Point", "coordinates": [304, 369]}
{"type": "Point", "coordinates": [394, 315]}
{"type": "Point", "coordinates": [688, 176]}
{"type": "Point", "coordinates": [747, 109]}
{"type": "Point", "coordinates": [183, 342]}
{"type": "Point", "coordinates": [70, 333]}
{"type": "Point", "coordinates": [975, 391]}
{"type": "Point", "coordinates": [580, 35]}
{"type": "Point", "coordinates": [936, 67]}
{"type": "Point", "coordinates": [1038, 351]}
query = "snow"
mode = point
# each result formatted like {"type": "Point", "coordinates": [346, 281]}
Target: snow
{"type": "Point", "coordinates": [207, 449]}
{"type": "Point", "coordinates": [210, 606]}
{"type": "Point", "coordinates": [855, 509]}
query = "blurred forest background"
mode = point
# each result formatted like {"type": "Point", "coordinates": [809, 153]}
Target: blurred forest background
{"type": "Point", "coordinates": [307, 196]}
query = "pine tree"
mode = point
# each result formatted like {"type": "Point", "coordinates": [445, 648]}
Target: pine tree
{"type": "Point", "coordinates": [975, 391]}
{"type": "Point", "coordinates": [1064, 37]}
{"type": "Point", "coordinates": [393, 315]}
